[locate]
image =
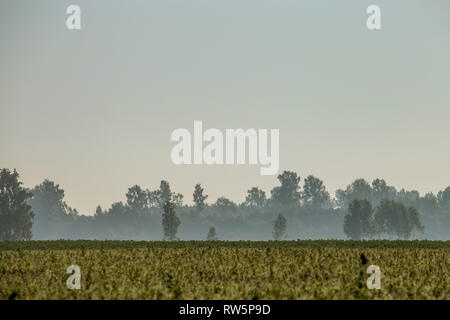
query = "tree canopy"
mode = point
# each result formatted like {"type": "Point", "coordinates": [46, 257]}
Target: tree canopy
{"type": "Point", "coordinates": [16, 216]}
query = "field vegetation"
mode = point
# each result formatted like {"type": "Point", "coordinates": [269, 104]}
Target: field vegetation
{"type": "Point", "coordinates": [328, 269]}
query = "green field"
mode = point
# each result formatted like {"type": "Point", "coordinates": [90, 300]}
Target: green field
{"type": "Point", "coordinates": [328, 269]}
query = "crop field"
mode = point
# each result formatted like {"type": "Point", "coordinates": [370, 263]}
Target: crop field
{"type": "Point", "coordinates": [224, 270]}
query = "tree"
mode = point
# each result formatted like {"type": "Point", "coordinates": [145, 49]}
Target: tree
{"type": "Point", "coordinates": [358, 223]}
{"type": "Point", "coordinates": [314, 192]}
{"type": "Point", "coordinates": [137, 199]}
{"type": "Point", "coordinates": [225, 205]}
{"type": "Point", "coordinates": [410, 198]}
{"type": "Point", "coordinates": [16, 216]}
{"type": "Point", "coordinates": [256, 198]}
{"type": "Point", "coordinates": [52, 214]}
{"type": "Point", "coordinates": [358, 189]}
{"type": "Point", "coordinates": [211, 234]}
{"type": "Point", "coordinates": [164, 192]}
{"type": "Point", "coordinates": [288, 194]}
{"type": "Point", "coordinates": [117, 213]}
{"type": "Point", "coordinates": [428, 203]}
{"type": "Point", "coordinates": [199, 197]}
{"type": "Point", "coordinates": [153, 198]}
{"type": "Point", "coordinates": [279, 227]}
{"type": "Point", "coordinates": [159, 197]}
{"type": "Point", "coordinates": [414, 223]}
{"type": "Point", "coordinates": [98, 212]}
{"type": "Point", "coordinates": [381, 191]}
{"type": "Point", "coordinates": [177, 199]}
{"type": "Point", "coordinates": [170, 221]}
{"type": "Point", "coordinates": [394, 218]}
{"type": "Point", "coordinates": [444, 198]}
{"type": "Point", "coordinates": [386, 216]}
{"type": "Point", "coordinates": [48, 200]}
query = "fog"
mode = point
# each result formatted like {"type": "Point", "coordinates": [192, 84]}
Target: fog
{"type": "Point", "coordinates": [309, 210]}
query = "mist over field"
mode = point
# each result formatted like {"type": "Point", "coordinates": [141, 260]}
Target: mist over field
{"type": "Point", "coordinates": [307, 208]}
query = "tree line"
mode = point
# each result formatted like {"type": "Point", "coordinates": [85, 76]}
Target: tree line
{"type": "Point", "coordinates": [292, 210]}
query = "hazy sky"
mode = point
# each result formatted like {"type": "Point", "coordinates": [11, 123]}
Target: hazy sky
{"type": "Point", "coordinates": [94, 109]}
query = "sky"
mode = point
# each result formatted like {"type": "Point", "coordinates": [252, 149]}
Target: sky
{"type": "Point", "coordinates": [94, 109]}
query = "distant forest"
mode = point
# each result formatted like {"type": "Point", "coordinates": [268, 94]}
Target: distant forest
{"type": "Point", "coordinates": [295, 209]}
